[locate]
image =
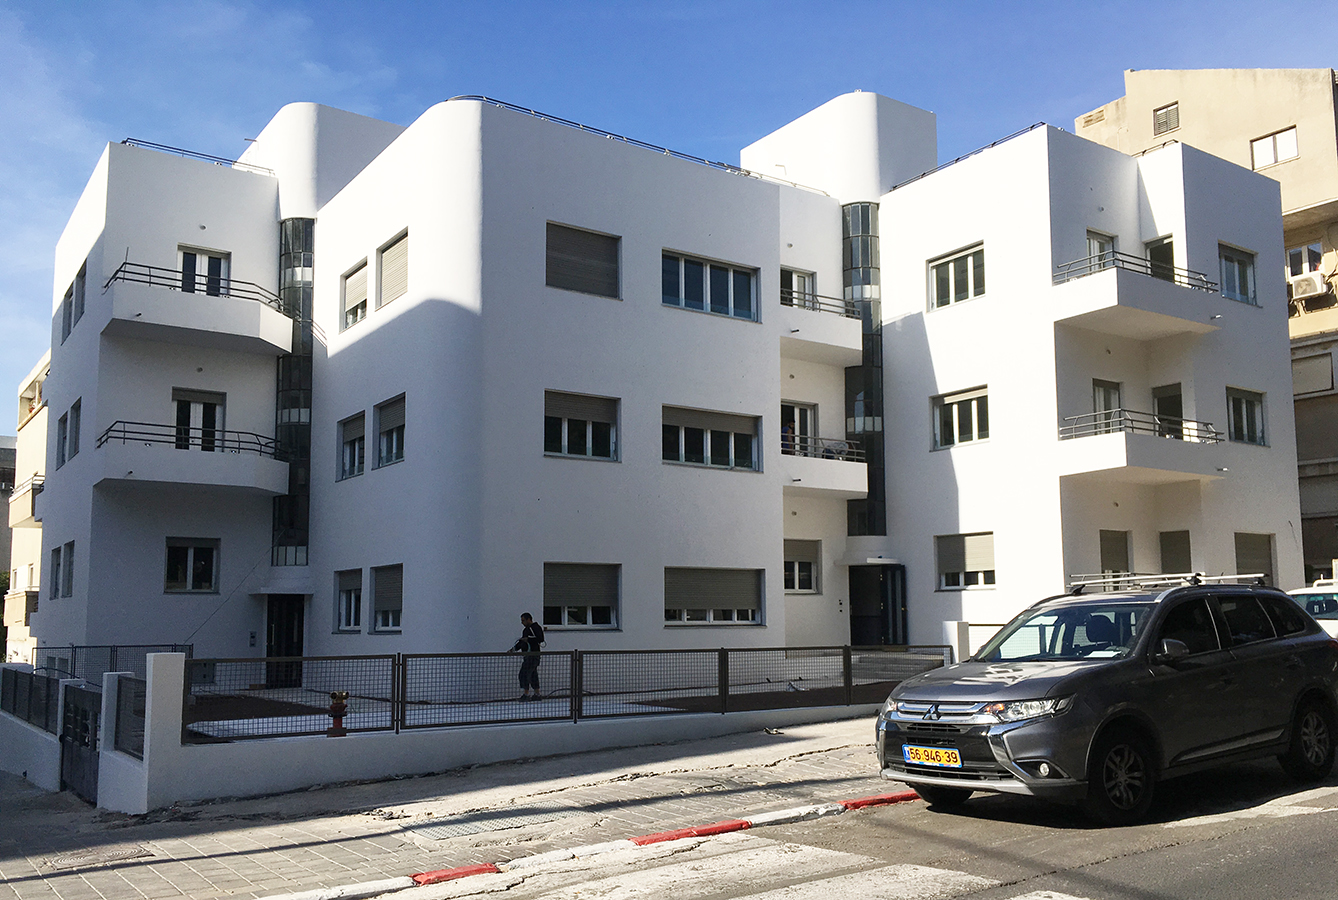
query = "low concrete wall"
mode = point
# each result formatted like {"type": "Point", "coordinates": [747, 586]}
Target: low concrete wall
{"type": "Point", "coordinates": [29, 752]}
{"type": "Point", "coordinates": [122, 779]}
{"type": "Point", "coordinates": [174, 772]}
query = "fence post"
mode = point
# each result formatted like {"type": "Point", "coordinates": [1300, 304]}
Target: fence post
{"type": "Point", "coordinates": [848, 674]}
{"type": "Point", "coordinates": [577, 686]}
{"type": "Point", "coordinates": [722, 674]}
{"type": "Point", "coordinates": [399, 685]}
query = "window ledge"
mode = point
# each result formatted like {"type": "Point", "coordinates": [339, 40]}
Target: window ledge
{"type": "Point", "coordinates": [388, 463]}
{"type": "Point", "coordinates": [960, 444]}
{"type": "Point", "coordinates": [551, 455]}
{"type": "Point", "coordinates": [805, 593]}
{"type": "Point", "coordinates": [752, 321]}
{"type": "Point", "coordinates": [567, 290]}
{"type": "Point", "coordinates": [391, 631]}
{"type": "Point", "coordinates": [583, 628]}
{"type": "Point", "coordinates": [178, 593]}
{"type": "Point", "coordinates": [961, 590]}
{"type": "Point", "coordinates": [351, 476]}
{"type": "Point", "coordinates": [713, 624]}
{"type": "Point", "coordinates": [692, 465]}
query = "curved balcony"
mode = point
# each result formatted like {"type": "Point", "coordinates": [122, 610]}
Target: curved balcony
{"type": "Point", "coordinates": [1126, 445]}
{"type": "Point", "coordinates": [138, 453]}
{"type": "Point", "coordinates": [830, 467]}
{"type": "Point", "coordinates": [157, 304]}
{"type": "Point", "coordinates": [835, 339]}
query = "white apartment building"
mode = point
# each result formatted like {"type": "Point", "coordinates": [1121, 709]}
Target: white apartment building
{"type": "Point", "coordinates": [374, 389]}
{"type": "Point", "coordinates": [25, 552]}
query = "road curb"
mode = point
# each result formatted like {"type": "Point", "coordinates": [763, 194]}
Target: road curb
{"type": "Point", "coordinates": [778, 817]}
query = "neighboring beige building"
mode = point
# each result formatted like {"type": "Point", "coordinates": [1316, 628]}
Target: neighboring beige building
{"type": "Point", "coordinates": [1282, 123]}
{"type": "Point", "coordinates": [25, 556]}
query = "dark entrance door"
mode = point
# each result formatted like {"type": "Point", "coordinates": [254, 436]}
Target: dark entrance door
{"type": "Point", "coordinates": [79, 742]}
{"type": "Point", "coordinates": [877, 605]}
{"type": "Point", "coordinates": [284, 627]}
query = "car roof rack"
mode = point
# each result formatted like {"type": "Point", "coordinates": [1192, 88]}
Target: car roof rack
{"type": "Point", "coordinates": [1111, 582]}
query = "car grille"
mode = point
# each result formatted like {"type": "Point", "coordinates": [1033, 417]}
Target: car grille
{"type": "Point", "coordinates": [934, 728]}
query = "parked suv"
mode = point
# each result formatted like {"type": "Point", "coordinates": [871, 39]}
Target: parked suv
{"type": "Point", "coordinates": [1094, 698]}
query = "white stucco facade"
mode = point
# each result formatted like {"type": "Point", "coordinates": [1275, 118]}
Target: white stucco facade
{"type": "Point", "coordinates": [473, 505]}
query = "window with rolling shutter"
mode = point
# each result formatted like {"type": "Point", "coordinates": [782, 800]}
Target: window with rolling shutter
{"type": "Point", "coordinates": [394, 270]}
{"type": "Point", "coordinates": [801, 566]}
{"type": "Point", "coordinates": [706, 438]}
{"type": "Point", "coordinates": [352, 445]}
{"type": "Point", "coordinates": [582, 261]}
{"type": "Point", "coordinates": [387, 597]}
{"type": "Point", "coordinates": [712, 596]}
{"type": "Point", "coordinates": [355, 296]}
{"type": "Point", "coordinates": [1254, 555]}
{"type": "Point", "coordinates": [965, 560]}
{"type": "Point", "coordinates": [580, 595]}
{"type": "Point", "coordinates": [580, 425]}
{"type": "Point", "coordinates": [1311, 374]}
{"type": "Point", "coordinates": [390, 432]}
{"type": "Point", "coordinates": [348, 600]}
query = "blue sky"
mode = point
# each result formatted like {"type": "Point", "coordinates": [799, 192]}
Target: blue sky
{"type": "Point", "coordinates": [705, 78]}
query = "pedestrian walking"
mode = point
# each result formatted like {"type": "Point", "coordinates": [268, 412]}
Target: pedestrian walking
{"type": "Point", "coordinates": [531, 639]}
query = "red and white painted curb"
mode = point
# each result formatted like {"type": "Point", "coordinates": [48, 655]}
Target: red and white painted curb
{"type": "Point", "coordinates": [779, 817]}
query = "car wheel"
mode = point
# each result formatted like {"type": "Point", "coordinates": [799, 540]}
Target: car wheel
{"type": "Point", "coordinates": [1310, 756]}
{"type": "Point", "coordinates": [1120, 779]}
{"type": "Point", "coordinates": [943, 797]}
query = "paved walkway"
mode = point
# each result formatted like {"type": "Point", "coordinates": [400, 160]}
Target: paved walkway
{"type": "Point", "coordinates": [53, 845]}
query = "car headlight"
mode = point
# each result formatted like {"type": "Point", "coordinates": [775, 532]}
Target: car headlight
{"type": "Point", "coordinates": [889, 707]}
{"type": "Point", "coordinates": [1021, 710]}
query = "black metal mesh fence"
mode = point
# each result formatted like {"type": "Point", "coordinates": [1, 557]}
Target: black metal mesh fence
{"type": "Point", "coordinates": [240, 699]}
{"type": "Point", "coordinates": [90, 662]}
{"type": "Point", "coordinates": [482, 688]}
{"type": "Point", "coordinates": [875, 671]}
{"type": "Point", "coordinates": [131, 694]}
{"type": "Point", "coordinates": [787, 678]}
{"type": "Point", "coordinates": [31, 697]}
{"type": "Point", "coordinates": [648, 682]}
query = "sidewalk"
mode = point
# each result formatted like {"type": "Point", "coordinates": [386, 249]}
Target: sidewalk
{"type": "Point", "coordinates": [53, 845]}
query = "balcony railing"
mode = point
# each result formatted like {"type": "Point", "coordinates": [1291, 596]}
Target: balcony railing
{"type": "Point", "coordinates": [821, 448]}
{"type": "Point", "coordinates": [1113, 259]}
{"type": "Point", "coordinates": [197, 283]}
{"type": "Point", "coordinates": [804, 300]}
{"type": "Point", "coordinates": [1131, 421]}
{"type": "Point", "coordinates": [181, 437]}
{"type": "Point", "coordinates": [33, 484]}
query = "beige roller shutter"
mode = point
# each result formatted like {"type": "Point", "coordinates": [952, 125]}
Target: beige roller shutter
{"type": "Point", "coordinates": [394, 271]}
{"type": "Point", "coordinates": [580, 584]}
{"type": "Point", "coordinates": [390, 415]}
{"type": "Point", "coordinates": [582, 261]}
{"type": "Point", "coordinates": [388, 587]}
{"type": "Point", "coordinates": [355, 288]}
{"type": "Point", "coordinates": [712, 588]}
{"type": "Point", "coordinates": [802, 551]}
{"type": "Point", "coordinates": [578, 406]}
{"type": "Point", "coordinates": [715, 421]}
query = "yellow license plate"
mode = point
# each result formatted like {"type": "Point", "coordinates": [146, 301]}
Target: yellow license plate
{"type": "Point", "coordinates": [946, 757]}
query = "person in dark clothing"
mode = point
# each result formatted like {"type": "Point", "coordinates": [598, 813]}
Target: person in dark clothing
{"type": "Point", "coordinates": [531, 639]}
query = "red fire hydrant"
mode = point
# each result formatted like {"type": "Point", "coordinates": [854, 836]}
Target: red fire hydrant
{"type": "Point", "coordinates": [338, 707]}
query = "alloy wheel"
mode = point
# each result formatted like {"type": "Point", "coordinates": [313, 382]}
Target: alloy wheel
{"type": "Point", "coordinates": [1314, 738]}
{"type": "Point", "coordinates": [1124, 775]}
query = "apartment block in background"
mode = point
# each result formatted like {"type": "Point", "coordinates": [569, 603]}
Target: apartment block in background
{"type": "Point", "coordinates": [24, 519]}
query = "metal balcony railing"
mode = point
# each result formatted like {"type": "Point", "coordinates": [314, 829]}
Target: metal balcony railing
{"type": "Point", "coordinates": [33, 484]}
{"type": "Point", "coordinates": [198, 283]}
{"type": "Point", "coordinates": [181, 437]}
{"type": "Point", "coordinates": [1115, 260]}
{"type": "Point", "coordinates": [1134, 422]}
{"type": "Point", "coordinates": [805, 300]}
{"type": "Point", "coordinates": [821, 448]}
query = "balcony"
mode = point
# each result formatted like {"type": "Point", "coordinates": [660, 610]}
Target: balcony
{"type": "Point", "coordinates": [827, 467]}
{"type": "Point", "coordinates": [1127, 446]}
{"type": "Point", "coordinates": [825, 330]}
{"type": "Point", "coordinates": [137, 453]}
{"type": "Point", "coordinates": [156, 304]}
{"type": "Point", "coordinates": [23, 503]}
{"type": "Point", "coordinates": [1132, 297]}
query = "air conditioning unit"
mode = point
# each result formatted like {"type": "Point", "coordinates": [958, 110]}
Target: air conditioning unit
{"type": "Point", "coordinates": [1311, 284]}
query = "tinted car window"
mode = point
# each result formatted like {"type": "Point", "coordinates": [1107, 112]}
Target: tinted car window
{"type": "Point", "coordinates": [1321, 606]}
{"type": "Point", "coordinates": [1246, 620]}
{"type": "Point", "coordinates": [1287, 618]}
{"type": "Point", "coordinates": [1192, 624]}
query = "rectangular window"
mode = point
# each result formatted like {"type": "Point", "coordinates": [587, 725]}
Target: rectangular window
{"type": "Point", "coordinates": [957, 277]}
{"type": "Point", "coordinates": [62, 436]}
{"type": "Point", "coordinates": [66, 311]}
{"type": "Point", "coordinates": [580, 595]}
{"type": "Point", "coordinates": [798, 289]}
{"type": "Point", "coordinates": [1107, 410]}
{"type": "Point", "coordinates": [1166, 118]}
{"type": "Point", "coordinates": [67, 570]}
{"type": "Point", "coordinates": [709, 438]}
{"type": "Point", "coordinates": [1311, 374]}
{"type": "Point", "coordinates": [192, 566]}
{"type": "Point", "coordinates": [54, 573]}
{"type": "Point", "coordinates": [352, 445]}
{"type": "Point", "coordinates": [961, 418]}
{"type": "Point", "coordinates": [1100, 249]}
{"type": "Point", "coordinates": [1161, 258]}
{"type": "Point", "coordinates": [387, 597]}
{"type": "Point", "coordinates": [1237, 274]}
{"type": "Point", "coordinates": [72, 443]}
{"type": "Point", "coordinates": [1254, 555]}
{"type": "Point", "coordinates": [802, 567]}
{"type": "Point", "coordinates": [1274, 148]}
{"type": "Point", "coordinates": [199, 419]}
{"type": "Point", "coordinates": [78, 289]}
{"type": "Point", "coordinates": [965, 560]}
{"type": "Point", "coordinates": [708, 286]}
{"type": "Point", "coordinates": [1245, 416]}
{"type": "Point", "coordinates": [355, 296]}
{"type": "Point", "coordinates": [348, 600]}
{"type": "Point", "coordinates": [390, 432]}
{"type": "Point", "coordinates": [582, 261]}
{"type": "Point", "coordinates": [1304, 260]}
{"type": "Point", "coordinates": [204, 272]}
{"type": "Point", "coordinates": [712, 596]}
{"type": "Point", "coordinates": [580, 425]}
{"type": "Point", "coordinates": [393, 270]}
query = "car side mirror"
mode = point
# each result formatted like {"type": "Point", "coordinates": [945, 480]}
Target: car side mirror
{"type": "Point", "coordinates": [1171, 652]}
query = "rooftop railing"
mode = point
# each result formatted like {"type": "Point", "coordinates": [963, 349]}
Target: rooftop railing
{"type": "Point", "coordinates": [181, 437]}
{"type": "Point", "coordinates": [1132, 421]}
{"type": "Point", "coordinates": [203, 157]}
{"type": "Point", "coordinates": [1113, 259]}
{"type": "Point", "coordinates": [805, 300]}
{"type": "Point", "coordinates": [821, 448]}
{"type": "Point", "coordinates": [196, 283]}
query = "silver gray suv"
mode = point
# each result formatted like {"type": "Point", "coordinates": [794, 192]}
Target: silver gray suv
{"type": "Point", "coordinates": [1095, 698]}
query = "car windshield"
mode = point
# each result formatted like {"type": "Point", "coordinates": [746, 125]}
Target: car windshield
{"type": "Point", "coordinates": [1321, 606]}
{"type": "Point", "coordinates": [1088, 631]}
